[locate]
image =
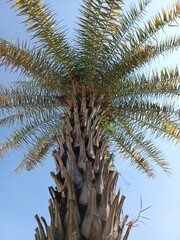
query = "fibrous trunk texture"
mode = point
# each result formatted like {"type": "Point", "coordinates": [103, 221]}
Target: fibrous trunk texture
{"type": "Point", "coordinates": [84, 204]}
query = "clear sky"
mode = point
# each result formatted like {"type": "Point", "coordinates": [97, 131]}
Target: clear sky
{"type": "Point", "coordinates": [24, 195]}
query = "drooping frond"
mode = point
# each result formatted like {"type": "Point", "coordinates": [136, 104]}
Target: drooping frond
{"type": "Point", "coordinates": [31, 63]}
{"type": "Point", "coordinates": [134, 145]}
{"type": "Point", "coordinates": [29, 95]}
{"type": "Point", "coordinates": [41, 145]}
{"type": "Point", "coordinates": [113, 48]}
{"type": "Point", "coordinates": [159, 85]}
{"type": "Point", "coordinates": [31, 129]}
{"type": "Point", "coordinates": [161, 121]}
{"type": "Point", "coordinates": [18, 101]}
{"type": "Point", "coordinates": [35, 155]}
{"type": "Point", "coordinates": [35, 109]}
{"type": "Point", "coordinates": [40, 21]}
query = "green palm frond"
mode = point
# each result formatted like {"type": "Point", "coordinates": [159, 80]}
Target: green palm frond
{"type": "Point", "coordinates": [128, 151]}
{"type": "Point", "coordinates": [99, 21]}
{"type": "Point", "coordinates": [30, 131]}
{"type": "Point", "coordinates": [37, 135]}
{"type": "Point", "coordinates": [35, 109]}
{"type": "Point", "coordinates": [40, 21]}
{"type": "Point", "coordinates": [158, 123]}
{"type": "Point", "coordinates": [168, 45]}
{"type": "Point", "coordinates": [17, 104]}
{"type": "Point", "coordinates": [133, 144]}
{"type": "Point", "coordinates": [143, 154]}
{"type": "Point", "coordinates": [35, 155]}
{"type": "Point", "coordinates": [139, 46]}
{"type": "Point", "coordinates": [28, 96]}
{"type": "Point", "coordinates": [132, 120]}
{"type": "Point", "coordinates": [42, 143]}
{"type": "Point", "coordinates": [128, 22]}
{"type": "Point", "coordinates": [132, 61]}
{"type": "Point", "coordinates": [151, 29]}
{"type": "Point", "coordinates": [112, 50]}
{"type": "Point", "coordinates": [162, 83]}
{"type": "Point", "coordinates": [31, 63]}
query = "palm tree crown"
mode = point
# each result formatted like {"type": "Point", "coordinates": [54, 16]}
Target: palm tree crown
{"type": "Point", "coordinates": [102, 69]}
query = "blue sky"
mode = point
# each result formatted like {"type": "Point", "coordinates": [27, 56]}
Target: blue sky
{"type": "Point", "coordinates": [25, 194]}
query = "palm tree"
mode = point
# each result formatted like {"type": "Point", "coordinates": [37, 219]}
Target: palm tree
{"type": "Point", "coordinates": [84, 100]}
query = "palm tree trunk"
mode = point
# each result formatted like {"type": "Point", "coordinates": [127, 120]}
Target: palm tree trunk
{"type": "Point", "coordinates": [84, 204]}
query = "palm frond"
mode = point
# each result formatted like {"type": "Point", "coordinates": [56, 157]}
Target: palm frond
{"type": "Point", "coordinates": [40, 21]}
{"type": "Point", "coordinates": [136, 158]}
{"type": "Point", "coordinates": [128, 22]}
{"type": "Point", "coordinates": [160, 84]}
{"type": "Point", "coordinates": [98, 23]}
{"type": "Point", "coordinates": [132, 61]}
{"type": "Point", "coordinates": [37, 135]}
{"type": "Point", "coordinates": [31, 130]}
{"type": "Point", "coordinates": [138, 46]}
{"type": "Point", "coordinates": [155, 122]}
{"type": "Point", "coordinates": [130, 138]}
{"type": "Point", "coordinates": [167, 46]}
{"type": "Point", "coordinates": [31, 63]}
{"type": "Point", "coordinates": [18, 104]}
{"type": "Point", "coordinates": [40, 146]}
{"type": "Point", "coordinates": [151, 29]}
{"type": "Point", "coordinates": [113, 47]}
{"type": "Point", "coordinates": [35, 156]}
{"type": "Point", "coordinates": [30, 96]}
